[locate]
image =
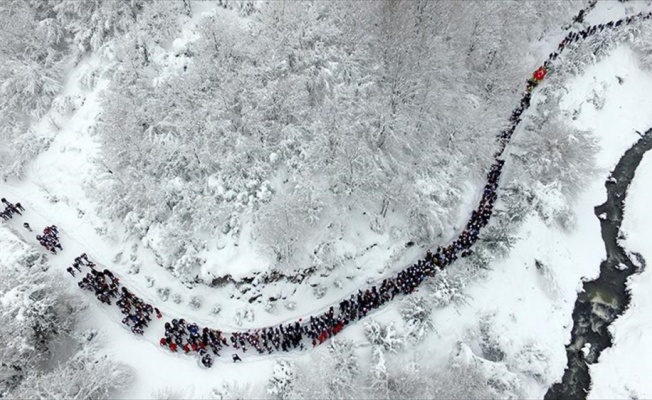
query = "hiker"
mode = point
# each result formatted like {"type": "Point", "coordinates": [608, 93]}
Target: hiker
{"type": "Point", "coordinates": [207, 360]}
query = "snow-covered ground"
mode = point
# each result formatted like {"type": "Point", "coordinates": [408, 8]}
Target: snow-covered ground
{"type": "Point", "coordinates": [623, 370]}
{"type": "Point", "coordinates": [527, 311]}
{"type": "Point", "coordinates": [57, 185]}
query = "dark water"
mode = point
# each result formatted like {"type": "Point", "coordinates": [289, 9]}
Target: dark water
{"type": "Point", "coordinates": [606, 297]}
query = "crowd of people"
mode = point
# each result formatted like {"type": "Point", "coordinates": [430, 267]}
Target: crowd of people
{"type": "Point", "coordinates": [50, 239]}
{"type": "Point", "coordinates": [137, 313]}
{"type": "Point", "coordinates": [10, 210]}
{"type": "Point", "coordinates": [571, 37]}
{"type": "Point", "coordinates": [106, 286]}
{"type": "Point", "coordinates": [188, 337]}
{"type": "Point", "coordinates": [319, 328]}
{"type": "Point", "coordinates": [103, 283]}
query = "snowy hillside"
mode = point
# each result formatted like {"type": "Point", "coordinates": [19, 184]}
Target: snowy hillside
{"type": "Point", "coordinates": [244, 164]}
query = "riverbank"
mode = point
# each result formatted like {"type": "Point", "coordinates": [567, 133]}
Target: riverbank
{"type": "Point", "coordinates": [604, 299]}
{"type": "Point", "coordinates": [623, 368]}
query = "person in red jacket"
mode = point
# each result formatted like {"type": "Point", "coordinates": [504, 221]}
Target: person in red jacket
{"type": "Point", "coordinates": [173, 347]}
{"type": "Point", "coordinates": [539, 74]}
{"type": "Point", "coordinates": [163, 342]}
{"type": "Point", "coordinates": [337, 328]}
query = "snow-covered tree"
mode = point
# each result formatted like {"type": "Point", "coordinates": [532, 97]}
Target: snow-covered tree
{"type": "Point", "coordinates": [29, 85]}
{"type": "Point", "coordinates": [386, 337]}
{"type": "Point", "coordinates": [33, 55]}
{"type": "Point", "coordinates": [324, 109]}
{"type": "Point", "coordinates": [472, 377]}
{"type": "Point", "coordinates": [410, 381]}
{"type": "Point", "coordinates": [489, 341]}
{"type": "Point", "coordinates": [641, 43]}
{"type": "Point", "coordinates": [461, 381]}
{"type": "Point", "coordinates": [416, 311]}
{"type": "Point", "coordinates": [499, 237]}
{"type": "Point", "coordinates": [159, 21]}
{"type": "Point", "coordinates": [446, 289]}
{"type": "Point", "coordinates": [87, 374]}
{"type": "Point", "coordinates": [552, 153]}
{"type": "Point", "coordinates": [331, 371]}
{"type": "Point", "coordinates": [93, 22]}
{"type": "Point", "coordinates": [378, 375]}
{"type": "Point", "coordinates": [518, 199]}
{"type": "Point", "coordinates": [284, 229]}
{"type": "Point", "coordinates": [342, 382]}
{"type": "Point", "coordinates": [39, 314]}
{"type": "Point", "coordinates": [236, 390]}
{"type": "Point", "coordinates": [187, 264]}
{"type": "Point", "coordinates": [281, 382]}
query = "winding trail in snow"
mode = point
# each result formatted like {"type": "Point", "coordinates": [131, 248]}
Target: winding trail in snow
{"type": "Point", "coordinates": [505, 137]}
{"type": "Point", "coordinates": [152, 337]}
{"type": "Point", "coordinates": [605, 298]}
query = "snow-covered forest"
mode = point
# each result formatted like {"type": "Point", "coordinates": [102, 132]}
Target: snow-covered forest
{"type": "Point", "coordinates": [246, 163]}
{"type": "Point", "coordinates": [333, 110]}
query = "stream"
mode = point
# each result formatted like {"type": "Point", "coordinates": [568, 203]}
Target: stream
{"type": "Point", "coordinates": [605, 298]}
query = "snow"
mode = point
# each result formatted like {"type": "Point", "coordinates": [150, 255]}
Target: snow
{"type": "Point", "coordinates": [605, 11]}
{"type": "Point", "coordinates": [617, 122]}
{"type": "Point", "coordinates": [623, 370]}
{"type": "Point", "coordinates": [524, 307]}
{"type": "Point", "coordinates": [153, 364]}
{"type": "Point", "coordinates": [527, 309]}
{"type": "Point", "coordinates": [157, 368]}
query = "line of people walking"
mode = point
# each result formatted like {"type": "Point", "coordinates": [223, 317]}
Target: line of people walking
{"type": "Point", "coordinates": [50, 237]}
{"type": "Point", "coordinates": [320, 328]}
{"type": "Point", "coordinates": [10, 210]}
{"type": "Point", "coordinates": [189, 337]}
{"type": "Point", "coordinates": [106, 287]}
{"type": "Point", "coordinates": [104, 284]}
{"type": "Point", "coordinates": [593, 29]}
